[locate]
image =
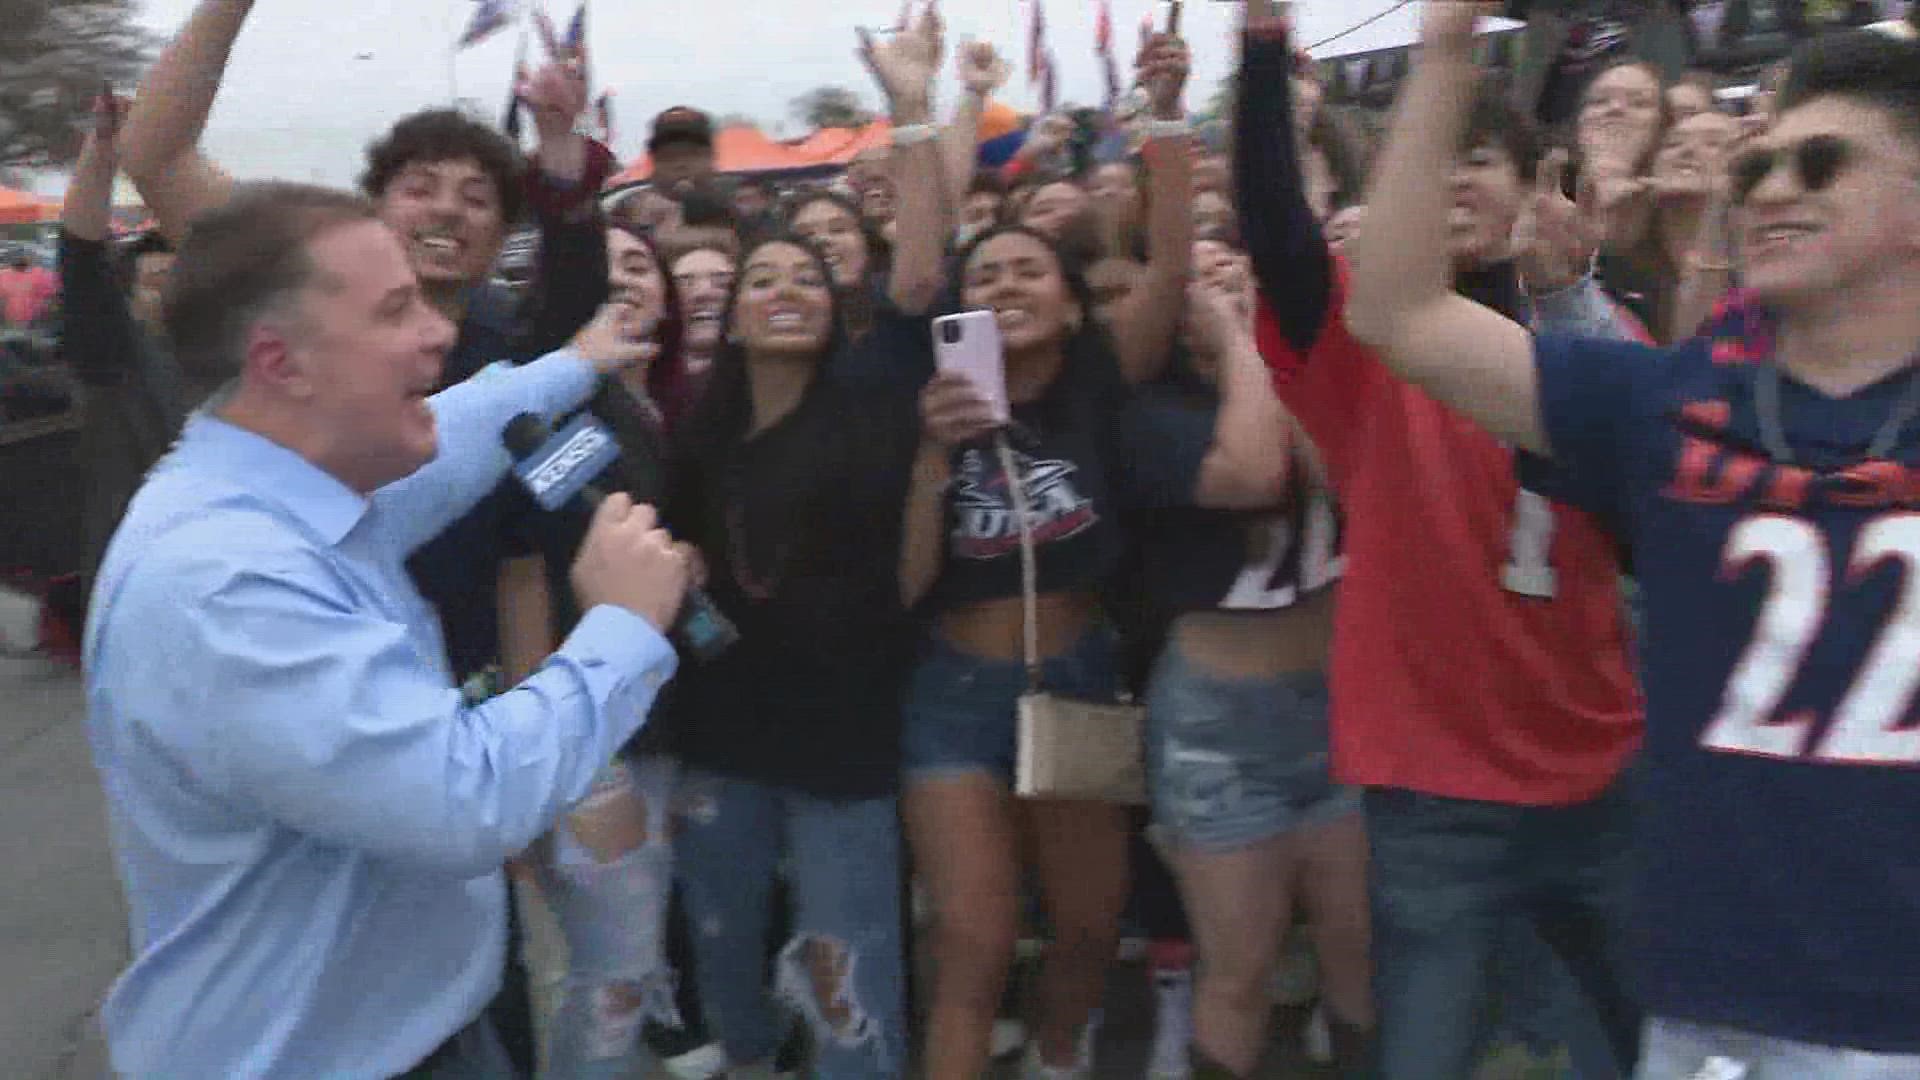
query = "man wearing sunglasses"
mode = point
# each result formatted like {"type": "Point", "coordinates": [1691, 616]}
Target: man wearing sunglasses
{"type": "Point", "coordinates": [1766, 475]}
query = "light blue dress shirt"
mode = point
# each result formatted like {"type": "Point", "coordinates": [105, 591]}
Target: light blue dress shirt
{"type": "Point", "coordinates": [309, 822]}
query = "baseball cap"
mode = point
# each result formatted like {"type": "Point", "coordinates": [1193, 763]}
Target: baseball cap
{"type": "Point", "coordinates": [681, 124]}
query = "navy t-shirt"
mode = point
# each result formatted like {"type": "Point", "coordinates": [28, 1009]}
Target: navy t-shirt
{"type": "Point", "coordinates": [1779, 885]}
{"type": "Point", "coordinates": [1064, 448]}
{"type": "Point", "coordinates": [1198, 559]}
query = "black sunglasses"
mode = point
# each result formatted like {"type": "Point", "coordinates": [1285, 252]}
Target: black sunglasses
{"type": "Point", "coordinates": [1817, 160]}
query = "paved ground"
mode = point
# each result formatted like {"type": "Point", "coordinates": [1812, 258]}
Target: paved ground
{"type": "Point", "coordinates": [62, 923]}
{"type": "Point", "coordinates": [62, 926]}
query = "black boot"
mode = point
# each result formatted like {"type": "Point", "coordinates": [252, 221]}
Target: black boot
{"type": "Point", "coordinates": [1353, 1050]}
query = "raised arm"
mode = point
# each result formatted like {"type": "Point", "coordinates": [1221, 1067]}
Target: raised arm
{"type": "Point", "coordinates": [904, 66]}
{"type": "Point", "coordinates": [1246, 467]}
{"type": "Point", "coordinates": [982, 72]}
{"type": "Point", "coordinates": [1402, 301]}
{"type": "Point", "coordinates": [563, 184]}
{"type": "Point", "coordinates": [1144, 327]}
{"type": "Point", "coordinates": [1291, 261]}
{"type": "Point", "coordinates": [160, 148]}
{"type": "Point", "coordinates": [98, 337]}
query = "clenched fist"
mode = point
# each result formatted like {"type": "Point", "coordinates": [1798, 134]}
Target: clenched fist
{"type": "Point", "coordinates": [629, 562]}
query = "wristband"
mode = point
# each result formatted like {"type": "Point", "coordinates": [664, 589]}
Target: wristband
{"type": "Point", "coordinates": [914, 134]}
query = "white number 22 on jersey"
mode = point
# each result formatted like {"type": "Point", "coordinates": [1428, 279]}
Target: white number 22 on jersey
{"type": "Point", "coordinates": [1867, 724]}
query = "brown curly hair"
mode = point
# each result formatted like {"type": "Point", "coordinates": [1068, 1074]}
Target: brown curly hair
{"type": "Point", "coordinates": [435, 135]}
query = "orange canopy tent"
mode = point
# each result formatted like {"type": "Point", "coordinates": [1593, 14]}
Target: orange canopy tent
{"type": "Point", "coordinates": [745, 150]}
{"type": "Point", "coordinates": [25, 208]}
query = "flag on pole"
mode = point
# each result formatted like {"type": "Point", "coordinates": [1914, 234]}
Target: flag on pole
{"type": "Point", "coordinates": [489, 17]}
{"type": "Point", "coordinates": [603, 114]}
{"type": "Point", "coordinates": [511, 123]}
{"type": "Point", "coordinates": [1103, 46]}
{"type": "Point", "coordinates": [1037, 45]}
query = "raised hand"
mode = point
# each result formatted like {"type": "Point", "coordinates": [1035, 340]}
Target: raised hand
{"type": "Point", "coordinates": [1162, 68]}
{"type": "Point", "coordinates": [905, 64]}
{"type": "Point", "coordinates": [982, 70]}
{"type": "Point", "coordinates": [557, 95]}
{"type": "Point", "coordinates": [1554, 239]}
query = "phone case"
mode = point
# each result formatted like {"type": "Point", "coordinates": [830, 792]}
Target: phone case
{"type": "Point", "coordinates": [970, 343]}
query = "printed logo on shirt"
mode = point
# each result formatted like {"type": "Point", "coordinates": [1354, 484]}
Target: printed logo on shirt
{"type": "Point", "coordinates": [984, 526]}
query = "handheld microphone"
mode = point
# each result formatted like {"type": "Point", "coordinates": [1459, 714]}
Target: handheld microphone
{"type": "Point", "coordinates": [558, 469]}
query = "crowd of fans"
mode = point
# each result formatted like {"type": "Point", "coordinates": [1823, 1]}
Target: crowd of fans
{"type": "Point", "coordinates": [1393, 700]}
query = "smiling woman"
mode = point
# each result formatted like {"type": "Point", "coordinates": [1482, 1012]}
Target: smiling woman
{"type": "Point", "coordinates": [790, 478]}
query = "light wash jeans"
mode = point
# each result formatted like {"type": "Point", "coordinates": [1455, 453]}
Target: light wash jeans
{"type": "Point", "coordinates": [1677, 1050]}
{"type": "Point", "coordinates": [613, 916]}
{"type": "Point", "coordinates": [842, 860]}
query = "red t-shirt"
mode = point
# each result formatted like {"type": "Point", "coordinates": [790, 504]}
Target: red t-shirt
{"type": "Point", "coordinates": [1480, 641]}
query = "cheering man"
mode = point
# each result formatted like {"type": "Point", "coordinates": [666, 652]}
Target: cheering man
{"type": "Point", "coordinates": [1764, 474]}
{"type": "Point", "coordinates": [309, 821]}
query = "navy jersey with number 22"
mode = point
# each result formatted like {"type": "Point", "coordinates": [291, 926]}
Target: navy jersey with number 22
{"type": "Point", "coordinates": [1780, 888]}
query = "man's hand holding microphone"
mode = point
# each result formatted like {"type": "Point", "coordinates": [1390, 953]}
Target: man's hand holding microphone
{"type": "Point", "coordinates": [628, 561]}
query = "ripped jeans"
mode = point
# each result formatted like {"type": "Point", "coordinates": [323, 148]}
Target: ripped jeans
{"type": "Point", "coordinates": [843, 971]}
{"type": "Point", "coordinates": [611, 907]}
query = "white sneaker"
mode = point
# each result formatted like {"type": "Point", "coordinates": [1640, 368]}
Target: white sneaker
{"type": "Point", "coordinates": [1035, 1068]}
{"type": "Point", "coordinates": [1008, 1037]}
{"type": "Point", "coordinates": [1172, 1026]}
{"type": "Point", "coordinates": [1318, 1039]}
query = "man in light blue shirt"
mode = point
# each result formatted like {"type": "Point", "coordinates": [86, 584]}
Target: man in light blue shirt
{"type": "Point", "coordinates": [309, 821]}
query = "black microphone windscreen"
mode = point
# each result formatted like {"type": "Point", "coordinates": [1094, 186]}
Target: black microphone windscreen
{"type": "Point", "coordinates": [524, 434]}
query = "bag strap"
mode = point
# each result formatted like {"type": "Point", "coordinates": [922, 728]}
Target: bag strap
{"type": "Point", "coordinates": [1029, 572]}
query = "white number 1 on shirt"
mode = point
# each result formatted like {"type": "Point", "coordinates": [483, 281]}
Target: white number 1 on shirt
{"type": "Point", "coordinates": [1867, 723]}
{"type": "Point", "coordinates": [1528, 571]}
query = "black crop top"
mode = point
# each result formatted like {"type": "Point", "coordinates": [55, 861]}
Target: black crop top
{"type": "Point", "coordinates": [1198, 559]}
{"type": "Point", "coordinates": [1064, 447]}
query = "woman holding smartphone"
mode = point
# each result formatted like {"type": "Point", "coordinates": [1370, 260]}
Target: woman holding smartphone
{"type": "Point", "coordinates": [961, 563]}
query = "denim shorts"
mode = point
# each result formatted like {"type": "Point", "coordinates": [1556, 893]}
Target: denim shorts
{"type": "Point", "coordinates": [960, 712]}
{"type": "Point", "coordinates": [1233, 761]}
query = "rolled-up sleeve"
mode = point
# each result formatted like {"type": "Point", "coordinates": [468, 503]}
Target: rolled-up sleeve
{"type": "Point", "coordinates": [329, 720]}
{"type": "Point", "coordinates": [471, 459]}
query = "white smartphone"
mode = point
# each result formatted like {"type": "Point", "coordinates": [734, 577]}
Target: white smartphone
{"type": "Point", "coordinates": [970, 344]}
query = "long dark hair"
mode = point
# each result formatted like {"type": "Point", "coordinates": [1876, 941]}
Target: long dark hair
{"type": "Point", "coordinates": [855, 303]}
{"type": "Point", "coordinates": [772, 515]}
{"type": "Point", "coordinates": [668, 383]}
{"type": "Point", "coordinates": [1089, 379]}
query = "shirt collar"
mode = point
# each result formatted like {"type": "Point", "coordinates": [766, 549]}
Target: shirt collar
{"type": "Point", "coordinates": [274, 473]}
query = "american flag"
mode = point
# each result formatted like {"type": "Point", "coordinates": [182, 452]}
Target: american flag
{"type": "Point", "coordinates": [1103, 46]}
{"type": "Point", "coordinates": [1037, 59]}
{"type": "Point", "coordinates": [603, 113]}
{"type": "Point", "coordinates": [489, 17]}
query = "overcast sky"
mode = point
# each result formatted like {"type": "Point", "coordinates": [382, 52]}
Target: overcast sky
{"type": "Point", "coordinates": [300, 101]}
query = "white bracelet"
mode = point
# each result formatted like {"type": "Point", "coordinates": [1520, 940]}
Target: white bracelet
{"type": "Point", "coordinates": [914, 134]}
{"type": "Point", "coordinates": [1169, 129]}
